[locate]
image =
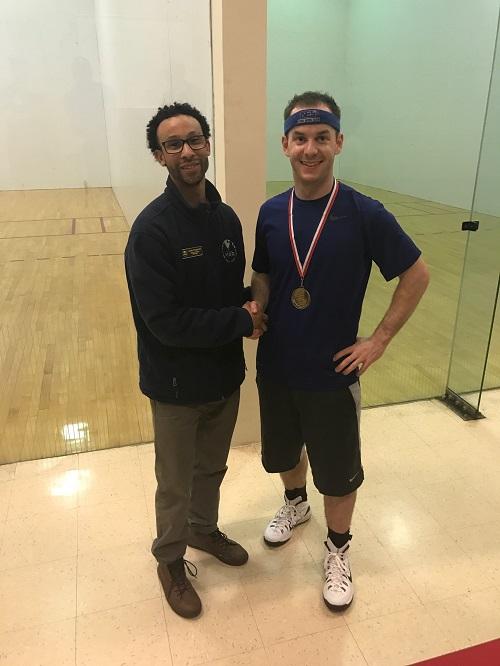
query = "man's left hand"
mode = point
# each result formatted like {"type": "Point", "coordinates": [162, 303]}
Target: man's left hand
{"type": "Point", "coordinates": [359, 356]}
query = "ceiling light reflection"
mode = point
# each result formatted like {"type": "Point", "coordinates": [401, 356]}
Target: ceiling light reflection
{"type": "Point", "coordinates": [76, 432]}
{"type": "Point", "coordinates": [69, 483]}
{"type": "Point", "coordinates": [400, 533]}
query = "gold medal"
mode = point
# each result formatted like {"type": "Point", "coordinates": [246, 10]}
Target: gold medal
{"type": "Point", "coordinates": [301, 298]}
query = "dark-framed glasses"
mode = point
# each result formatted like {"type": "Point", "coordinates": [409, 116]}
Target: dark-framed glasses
{"type": "Point", "coordinates": [196, 142]}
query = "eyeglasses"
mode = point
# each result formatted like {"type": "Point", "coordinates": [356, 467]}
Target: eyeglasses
{"type": "Point", "coordinates": [196, 142]}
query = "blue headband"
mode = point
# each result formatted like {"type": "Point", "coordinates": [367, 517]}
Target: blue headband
{"type": "Point", "coordinates": [312, 117]}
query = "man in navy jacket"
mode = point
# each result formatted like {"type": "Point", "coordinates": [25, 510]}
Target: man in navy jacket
{"type": "Point", "coordinates": [185, 263]}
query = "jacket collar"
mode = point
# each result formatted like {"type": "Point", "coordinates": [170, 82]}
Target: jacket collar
{"type": "Point", "coordinates": [211, 193]}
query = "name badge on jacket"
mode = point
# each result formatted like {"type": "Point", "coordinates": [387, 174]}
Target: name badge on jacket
{"type": "Point", "coordinates": [190, 252]}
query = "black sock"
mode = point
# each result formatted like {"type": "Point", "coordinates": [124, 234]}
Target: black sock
{"type": "Point", "coordinates": [296, 492]}
{"type": "Point", "coordinates": [339, 540]}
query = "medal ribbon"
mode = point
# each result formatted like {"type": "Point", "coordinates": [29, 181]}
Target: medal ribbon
{"type": "Point", "coordinates": [302, 268]}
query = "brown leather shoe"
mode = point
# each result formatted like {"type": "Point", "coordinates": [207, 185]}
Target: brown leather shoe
{"type": "Point", "coordinates": [220, 546]}
{"type": "Point", "coordinates": [179, 592]}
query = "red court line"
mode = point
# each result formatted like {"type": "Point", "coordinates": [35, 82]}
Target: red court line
{"type": "Point", "coordinates": [85, 233]}
{"type": "Point", "coordinates": [486, 654]}
{"type": "Point", "coordinates": [59, 219]}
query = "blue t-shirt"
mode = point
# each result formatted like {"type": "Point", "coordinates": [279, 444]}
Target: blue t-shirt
{"type": "Point", "coordinates": [298, 347]}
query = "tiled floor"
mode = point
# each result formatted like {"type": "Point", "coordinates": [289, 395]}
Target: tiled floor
{"type": "Point", "coordinates": [78, 584]}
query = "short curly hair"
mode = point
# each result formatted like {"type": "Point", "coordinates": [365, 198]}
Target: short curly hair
{"type": "Point", "coordinates": [169, 111]}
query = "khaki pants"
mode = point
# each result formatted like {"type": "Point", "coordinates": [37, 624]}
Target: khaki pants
{"type": "Point", "coordinates": [191, 447]}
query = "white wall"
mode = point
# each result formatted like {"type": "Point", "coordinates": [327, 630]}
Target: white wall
{"type": "Point", "coordinates": [306, 49]}
{"type": "Point", "coordinates": [152, 53]}
{"type": "Point", "coordinates": [52, 131]}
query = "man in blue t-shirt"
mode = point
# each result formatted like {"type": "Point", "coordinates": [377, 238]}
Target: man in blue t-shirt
{"type": "Point", "coordinates": [314, 249]}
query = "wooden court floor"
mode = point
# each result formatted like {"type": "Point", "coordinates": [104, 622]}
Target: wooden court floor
{"type": "Point", "coordinates": [67, 345]}
{"type": "Point", "coordinates": [68, 366]}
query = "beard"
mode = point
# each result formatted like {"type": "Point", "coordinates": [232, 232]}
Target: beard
{"type": "Point", "coordinates": [190, 176]}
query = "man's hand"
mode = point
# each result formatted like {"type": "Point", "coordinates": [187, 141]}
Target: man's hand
{"type": "Point", "coordinates": [365, 351]}
{"type": "Point", "coordinates": [259, 319]}
{"type": "Point", "coordinates": [359, 356]}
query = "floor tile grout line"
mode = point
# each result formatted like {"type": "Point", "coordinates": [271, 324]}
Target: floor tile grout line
{"type": "Point", "coordinates": [253, 614]}
{"type": "Point", "coordinates": [9, 500]}
{"type": "Point", "coordinates": [415, 592]}
{"type": "Point", "coordinates": [32, 564]}
{"type": "Point", "coordinates": [77, 560]}
{"type": "Point", "coordinates": [151, 538]}
{"type": "Point", "coordinates": [358, 646]}
{"type": "Point", "coordinates": [314, 633]}
{"type": "Point", "coordinates": [163, 609]}
{"type": "Point", "coordinates": [112, 608]}
{"type": "Point", "coordinates": [36, 626]}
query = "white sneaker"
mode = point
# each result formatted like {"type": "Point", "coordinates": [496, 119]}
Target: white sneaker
{"type": "Point", "coordinates": [293, 512]}
{"type": "Point", "coordinates": [338, 589]}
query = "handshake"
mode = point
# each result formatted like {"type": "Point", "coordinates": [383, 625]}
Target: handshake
{"type": "Point", "coordinates": [259, 319]}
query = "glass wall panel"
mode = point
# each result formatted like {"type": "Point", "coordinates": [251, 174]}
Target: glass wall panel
{"type": "Point", "coordinates": [475, 360]}
{"type": "Point", "coordinates": [413, 102]}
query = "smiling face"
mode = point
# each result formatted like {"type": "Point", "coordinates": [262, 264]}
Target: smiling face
{"type": "Point", "coordinates": [187, 168]}
{"type": "Point", "coordinates": [311, 150]}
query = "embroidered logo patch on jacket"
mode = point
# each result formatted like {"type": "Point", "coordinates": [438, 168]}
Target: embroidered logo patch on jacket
{"type": "Point", "coordinates": [229, 251]}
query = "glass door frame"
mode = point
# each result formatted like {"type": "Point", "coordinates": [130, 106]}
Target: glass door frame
{"type": "Point", "coordinates": [455, 400]}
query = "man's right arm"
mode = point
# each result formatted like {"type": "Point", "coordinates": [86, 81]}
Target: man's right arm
{"type": "Point", "coordinates": [260, 289]}
{"type": "Point", "coordinates": [152, 277]}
